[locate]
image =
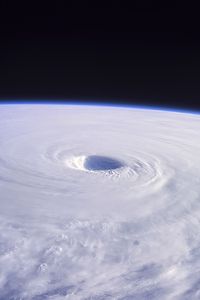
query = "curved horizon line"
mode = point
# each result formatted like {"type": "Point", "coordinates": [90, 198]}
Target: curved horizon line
{"type": "Point", "coordinates": [99, 103]}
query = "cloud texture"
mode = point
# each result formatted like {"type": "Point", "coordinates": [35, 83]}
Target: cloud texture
{"type": "Point", "coordinates": [71, 228]}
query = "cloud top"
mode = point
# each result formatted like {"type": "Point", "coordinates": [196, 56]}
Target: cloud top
{"type": "Point", "coordinates": [98, 203]}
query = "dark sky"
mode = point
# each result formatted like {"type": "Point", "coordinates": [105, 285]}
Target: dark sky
{"type": "Point", "coordinates": [89, 51]}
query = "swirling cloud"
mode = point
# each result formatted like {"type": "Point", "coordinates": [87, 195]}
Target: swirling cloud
{"type": "Point", "coordinates": [98, 203]}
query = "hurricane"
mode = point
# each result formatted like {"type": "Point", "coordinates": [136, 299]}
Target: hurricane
{"type": "Point", "coordinates": [99, 202]}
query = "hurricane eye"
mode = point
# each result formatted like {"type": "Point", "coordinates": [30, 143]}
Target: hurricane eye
{"type": "Point", "coordinates": [101, 163]}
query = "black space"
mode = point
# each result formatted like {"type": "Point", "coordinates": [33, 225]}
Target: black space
{"type": "Point", "coordinates": [141, 54]}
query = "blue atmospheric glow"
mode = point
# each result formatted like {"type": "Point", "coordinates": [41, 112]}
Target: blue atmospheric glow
{"type": "Point", "coordinates": [99, 103]}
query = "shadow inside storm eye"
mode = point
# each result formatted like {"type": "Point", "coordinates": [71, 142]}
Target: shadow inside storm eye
{"type": "Point", "coordinates": [101, 163]}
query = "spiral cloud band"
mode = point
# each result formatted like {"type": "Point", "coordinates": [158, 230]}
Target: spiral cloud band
{"type": "Point", "coordinates": [99, 203]}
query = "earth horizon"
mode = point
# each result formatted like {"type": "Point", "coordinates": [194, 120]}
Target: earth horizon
{"type": "Point", "coordinates": [99, 202]}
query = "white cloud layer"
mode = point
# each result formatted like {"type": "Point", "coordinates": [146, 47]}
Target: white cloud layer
{"type": "Point", "coordinates": [72, 230]}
